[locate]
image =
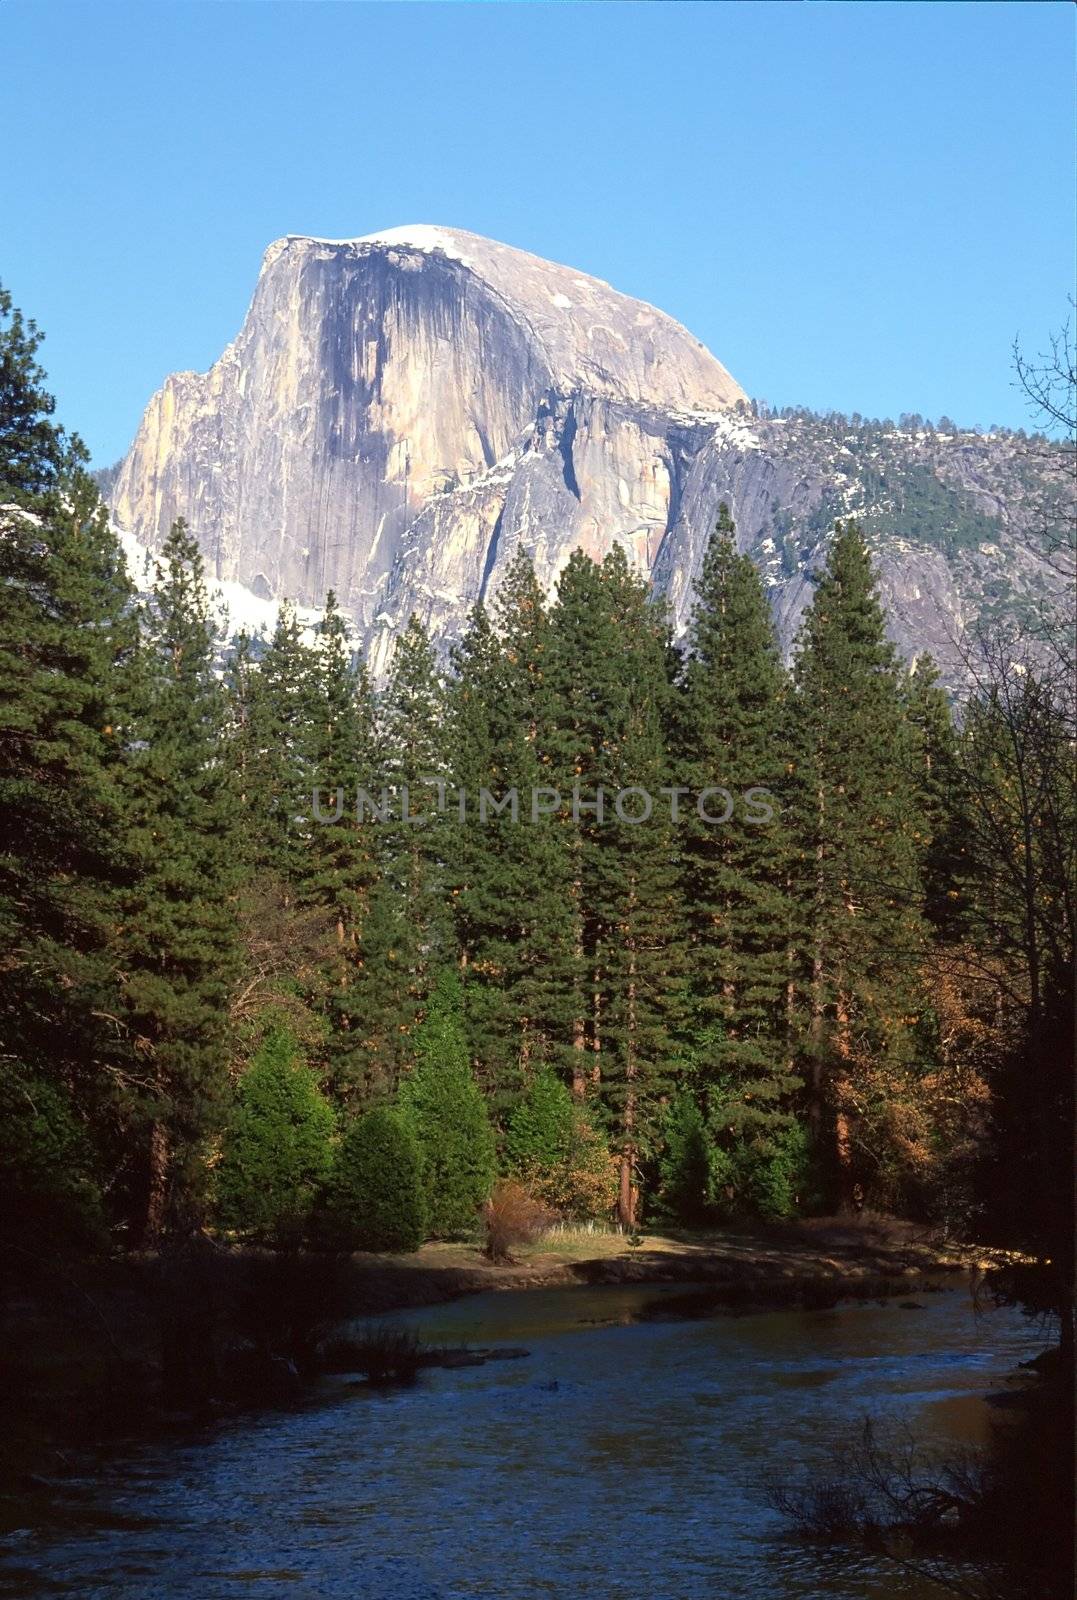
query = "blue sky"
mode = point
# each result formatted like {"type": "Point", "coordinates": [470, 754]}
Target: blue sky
{"type": "Point", "coordinates": [855, 206]}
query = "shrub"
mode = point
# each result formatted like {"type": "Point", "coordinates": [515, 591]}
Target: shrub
{"type": "Point", "coordinates": [540, 1126]}
{"type": "Point", "coordinates": [446, 1111]}
{"type": "Point", "coordinates": [374, 1198]}
{"type": "Point", "coordinates": [778, 1178]}
{"type": "Point", "coordinates": [584, 1186]}
{"type": "Point", "coordinates": [513, 1217]}
{"type": "Point", "coordinates": [685, 1173]}
{"type": "Point", "coordinates": [48, 1192]}
{"type": "Point", "coordinates": [277, 1150]}
{"type": "Point", "coordinates": [559, 1157]}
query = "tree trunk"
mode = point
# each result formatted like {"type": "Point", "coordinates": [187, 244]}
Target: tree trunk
{"type": "Point", "coordinates": [843, 1144]}
{"type": "Point", "coordinates": [157, 1195]}
{"type": "Point", "coordinates": [627, 1194]}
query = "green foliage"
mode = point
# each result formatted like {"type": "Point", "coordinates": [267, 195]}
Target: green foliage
{"type": "Point", "coordinates": [685, 1180]}
{"type": "Point", "coordinates": [408, 934]}
{"type": "Point", "coordinates": [740, 880]}
{"type": "Point", "coordinates": [445, 1109]}
{"type": "Point", "coordinates": [180, 940]}
{"type": "Point", "coordinates": [374, 1198]}
{"type": "Point", "coordinates": [863, 822]}
{"type": "Point", "coordinates": [551, 1146]}
{"type": "Point", "coordinates": [278, 1144]}
{"type": "Point", "coordinates": [507, 877]}
{"type": "Point", "coordinates": [50, 1195]}
{"type": "Point", "coordinates": [540, 1127]}
{"type": "Point", "coordinates": [36, 456]}
{"type": "Point", "coordinates": [838, 991]}
{"type": "Point", "coordinates": [610, 692]}
{"type": "Point", "coordinates": [273, 711]}
{"type": "Point", "coordinates": [909, 499]}
{"type": "Point", "coordinates": [777, 1180]}
{"type": "Point", "coordinates": [67, 643]}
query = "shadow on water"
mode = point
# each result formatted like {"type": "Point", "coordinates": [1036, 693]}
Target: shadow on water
{"type": "Point", "coordinates": [624, 1456]}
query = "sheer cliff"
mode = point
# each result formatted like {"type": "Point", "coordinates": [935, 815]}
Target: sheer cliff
{"type": "Point", "coordinates": [400, 413]}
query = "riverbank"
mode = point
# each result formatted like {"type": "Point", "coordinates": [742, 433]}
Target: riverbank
{"type": "Point", "coordinates": [95, 1349]}
{"type": "Point", "coordinates": [818, 1258]}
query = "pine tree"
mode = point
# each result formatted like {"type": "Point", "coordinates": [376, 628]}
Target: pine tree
{"type": "Point", "coordinates": [37, 457]}
{"type": "Point", "coordinates": [479, 848]}
{"type": "Point", "coordinates": [729, 737]}
{"type": "Point", "coordinates": [274, 710]}
{"type": "Point", "coordinates": [408, 935]}
{"type": "Point", "coordinates": [341, 870]}
{"type": "Point", "coordinates": [539, 1132]}
{"type": "Point", "coordinates": [278, 1144]}
{"type": "Point", "coordinates": [557, 1154]}
{"type": "Point", "coordinates": [374, 1198]}
{"type": "Point", "coordinates": [861, 814]}
{"type": "Point", "coordinates": [534, 886]}
{"type": "Point", "coordinates": [936, 774]}
{"type": "Point", "coordinates": [608, 671]}
{"type": "Point", "coordinates": [684, 1166]}
{"type": "Point", "coordinates": [445, 1108]}
{"type": "Point", "coordinates": [66, 643]}
{"type": "Point", "coordinates": [507, 870]}
{"type": "Point", "coordinates": [180, 939]}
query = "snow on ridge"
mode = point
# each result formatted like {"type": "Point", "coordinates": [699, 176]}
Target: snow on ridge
{"type": "Point", "coordinates": [246, 612]}
{"type": "Point", "coordinates": [420, 235]}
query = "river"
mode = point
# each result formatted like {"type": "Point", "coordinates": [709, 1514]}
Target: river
{"type": "Point", "coordinates": [623, 1457]}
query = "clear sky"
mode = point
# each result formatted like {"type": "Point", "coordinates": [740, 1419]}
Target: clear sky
{"type": "Point", "coordinates": [855, 206]}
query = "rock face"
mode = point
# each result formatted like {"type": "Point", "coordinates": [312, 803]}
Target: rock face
{"type": "Point", "coordinates": [399, 414]}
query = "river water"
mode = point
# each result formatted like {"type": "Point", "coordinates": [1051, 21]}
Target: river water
{"type": "Point", "coordinates": [623, 1457]}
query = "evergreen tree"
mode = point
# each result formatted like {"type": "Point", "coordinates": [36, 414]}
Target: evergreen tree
{"type": "Point", "coordinates": [539, 1131]}
{"type": "Point", "coordinates": [728, 725]}
{"type": "Point", "coordinates": [608, 671]}
{"type": "Point", "coordinates": [180, 945]}
{"type": "Point", "coordinates": [863, 819]}
{"type": "Point", "coordinates": [278, 1144]}
{"type": "Point", "coordinates": [936, 775]}
{"type": "Point", "coordinates": [36, 456]}
{"type": "Point", "coordinates": [408, 934]}
{"type": "Point", "coordinates": [67, 639]}
{"type": "Point", "coordinates": [555, 1151]}
{"type": "Point", "coordinates": [684, 1166]}
{"type": "Point", "coordinates": [508, 870]}
{"type": "Point", "coordinates": [341, 869]}
{"type": "Point", "coordinates": [374, 1198]}
{"type": "Point", "coordinates": [446, 1110]}
{"type": "Point", "coordinates": [479, 849]}
{"type": "Point", "coordinates": [275, 713]}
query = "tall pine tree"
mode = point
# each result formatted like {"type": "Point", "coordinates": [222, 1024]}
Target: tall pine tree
{"type": "Point", "coordinates": [729, 737]}
{"type": "Point", "coordinates": [180, 938]}
{"type": "Point", "coordinates": [67, 639]}
{"type": "Point", "coordinates": [863, 818]}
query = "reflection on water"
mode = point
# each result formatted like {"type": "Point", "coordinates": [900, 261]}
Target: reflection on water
{"type": "Point", "coordinates": [622, 1458]}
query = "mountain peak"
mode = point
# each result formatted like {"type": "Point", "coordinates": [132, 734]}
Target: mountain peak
{"type": "Point", "coordinates": [592, 337]}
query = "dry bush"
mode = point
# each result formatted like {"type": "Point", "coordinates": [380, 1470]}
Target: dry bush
{"type": "Point", "coordinates": [513, 1217]}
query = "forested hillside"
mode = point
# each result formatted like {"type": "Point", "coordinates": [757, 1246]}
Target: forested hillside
{"type": "Point", "coordinates": [642, 992]}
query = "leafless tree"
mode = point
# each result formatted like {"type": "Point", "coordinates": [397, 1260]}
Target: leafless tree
{"type": "Point", "coordinates": [1048, 382]}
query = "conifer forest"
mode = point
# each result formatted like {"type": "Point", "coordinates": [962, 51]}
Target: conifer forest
{"type": "Point", "coordinates": [537, 885]}
{"type": "Point", "coordinates": [583, 926]}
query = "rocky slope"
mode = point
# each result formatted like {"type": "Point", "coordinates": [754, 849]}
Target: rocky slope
{"type": "Point", "coordinates": [399, 414]}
